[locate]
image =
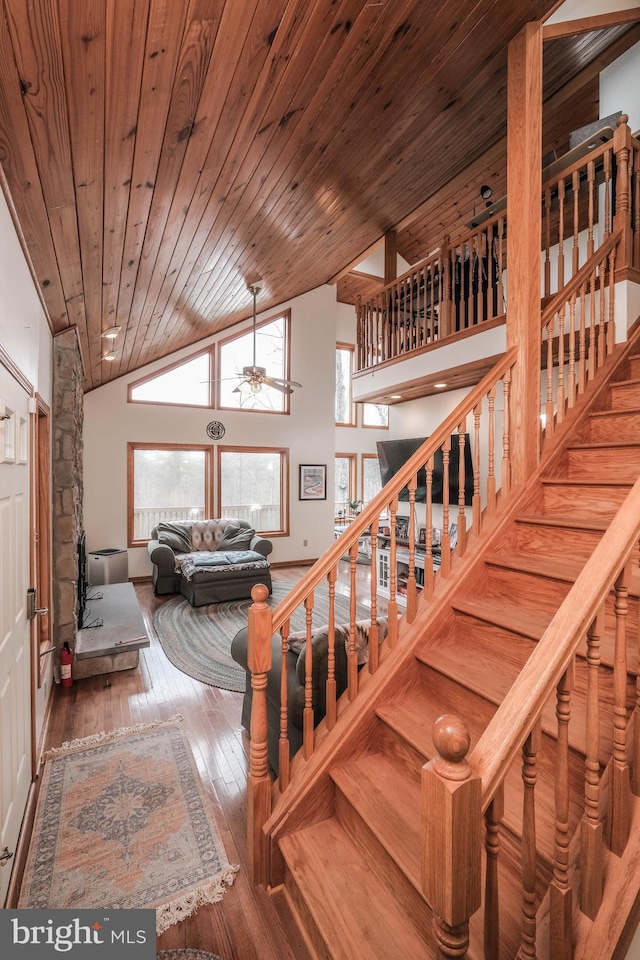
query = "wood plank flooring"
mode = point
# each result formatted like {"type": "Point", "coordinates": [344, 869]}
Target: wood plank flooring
{"type": "Point", "coordinates": [245, 925]}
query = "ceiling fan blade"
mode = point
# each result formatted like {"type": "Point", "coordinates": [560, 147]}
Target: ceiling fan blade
{"type": "Point", "coordinates": [283, 388]}
{"type": "Point", "coordinates": [287, 383]}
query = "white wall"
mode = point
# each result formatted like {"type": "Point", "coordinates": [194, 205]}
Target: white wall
{"type": "Point", "coordinates": [309, 433]}
{"type": "Point", "coordinates": [26, 338]}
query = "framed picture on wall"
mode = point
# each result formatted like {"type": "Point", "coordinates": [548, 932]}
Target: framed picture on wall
{"type": "Point", "coordinates": [402, 528]}
{"type": "Point", "coordinates": [313, 481]}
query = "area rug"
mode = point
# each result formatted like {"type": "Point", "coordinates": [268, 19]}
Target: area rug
{"type": "Point", "coordinates": [197, 640]}
{"type": "Point", "coordinates": [122, 821]}
{"type": "Point", "coordinates": [186, 954]}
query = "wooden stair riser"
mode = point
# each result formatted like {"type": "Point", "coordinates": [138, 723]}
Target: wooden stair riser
{"type": "Point", "coordinates": [553, 540]}
{"type": "Point", "coordinates": [530, 591]}
{"type": "Point", "coordinates": [634, 368]}
{"type": "Point", "coordinates": [597, 500]}
{"type": "Point", "coordinates": [615, 427]}
{"type": "Point", "coordinates": [304, 916]}
{"type": "Point", "coordinates": [596, 463]}
{"type": "Point", "coordinates": [625, 395]}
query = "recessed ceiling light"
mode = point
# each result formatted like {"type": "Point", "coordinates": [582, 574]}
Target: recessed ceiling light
{"type": "Point", "coordinates": [440, 386]}
{"type": "Point", "coordinates": [395, 396]}
{"type": "Point", "coordinates": [111, 333]}
{"type": "Point", "coordinates": [110, 356]}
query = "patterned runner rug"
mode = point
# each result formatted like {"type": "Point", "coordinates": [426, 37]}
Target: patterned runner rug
{"type": "Point", "coordinates": [187, 953]}
{"type": "Point", "coordinates": [197, 640]}
{"type": "Point", "coordinates": [122, 820]}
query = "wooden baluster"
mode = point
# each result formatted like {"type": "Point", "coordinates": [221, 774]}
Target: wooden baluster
{"type": "Point", "coordinates": [451, 837]}
{"type": "Point", "coordinates": [591, 181]}
{"type": "Point", "coordinates": [491, 464]}
{"type": "Point", "coordinates": [611, 288]}
{"type": "Point", "coordinates": [547, 242]}
{"type": "Point", "coordinates": [392, 605]}
{"type": "Point", "coordinates": [493, 819]}
{"type": "Point", "coordinates": [462, 477]}
{"type": "Point", "coordinates": [352, 654]}
{"type": "Point", "coordinates": [506, 435]}
{"type": "Point", "coordinates": [491, 278]}
{"type": "Point", "coordinates": [571, 381]}
{"type": "Point", "coordinates": [331, 688]}
{"type": "Point", "coordinates": [428, 547]}
{"type": "Point", "coordinates": [592, 325]}
{"type": "Point", "coordinates": [602, 342]}
{"type": "Point", "coordinates": [307, 713]}
{"type": "Point", "coordinates": [636, 210]}
{"type": "Point", "coordinates": [501, 223]}
{"type": "Point", "coordinates": [560, 394]}
{"type": "Point", "coordinates": [412, 594]}
{"type": "Point", "coordinates": [444, 310]}
{"type": "Point", "coordinates": [561, 202]}
{"type": "Point", "coordinates": [575, 186]}
{"type": "Point", "coordinates": [549, 418]}
{"type": "Point", "coordinates": [620, 819]}
{"type": "Point", "coordinates": [360, 333]}
{"type": "Point", "coordinates": [374, 649]}
{"type": "Point", "coordinates": [529, 777]}
{"type": "Point", "coordinates": [591, 829]}
{"type": "Point", "coordinates": [259, 658]}
{"type": "Point", "coordinates": [283, 741]}
{"type": "Point", "coordinates": [445, 540]}
{"type": "Point", "coordinates": [582, 344]}
{"type": "Point", "coordinates": [561, 894]}
{"type": "Point", "coordinates": [607, 193]}
{"type": "Point", "coordinates": [635, 757]}
{"type": "Point", "coordinates": [477, 500]}
{"type": "Point", "coordinates": [470, 250]}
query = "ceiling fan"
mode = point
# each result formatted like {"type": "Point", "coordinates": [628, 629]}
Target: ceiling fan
{"type": "Point", "coordinates": [255, 377]}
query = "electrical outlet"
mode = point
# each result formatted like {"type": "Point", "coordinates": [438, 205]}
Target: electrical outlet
{"type": "Point", "coordinates": [305, 543]}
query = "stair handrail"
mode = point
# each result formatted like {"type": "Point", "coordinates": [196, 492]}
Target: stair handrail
{"type": "Point", "coordinates": [536, 682]}
{"type": "Point", "coordinates": [577, 280]}
{"type": "Point", "coordinates": [283, 611]}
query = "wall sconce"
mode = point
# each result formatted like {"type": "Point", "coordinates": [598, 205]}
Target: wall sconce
{"type": "Point", "coordinates": [486, 191]}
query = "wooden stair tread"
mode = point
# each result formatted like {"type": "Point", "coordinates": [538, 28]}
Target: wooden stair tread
{"type": "Point", "coordinates": [603, 445]}
{"type": "Point", "coordinates": [586, 482]}
{"type": "Point", "coordinates": [373, 784]}
{"type": "Point", "coordinates": [413, 717]}
{"type": "Point", "coordinates": [561, 521]}
{"type": "Point", "coordinates": [613, 413]}
{"type": "Point", "coordinates": [349, 899]}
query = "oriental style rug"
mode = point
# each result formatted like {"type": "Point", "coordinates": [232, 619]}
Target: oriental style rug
{"type": "Point", "coordinates": [197, 640]}
{"type": "Point", "coordinates": [186, 954]}
{"type": "Point", "coordinates": [123, 821]}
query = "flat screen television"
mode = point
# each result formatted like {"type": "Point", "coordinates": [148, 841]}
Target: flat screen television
{"type": "Point", "coordinates": [82, 578]}
{"type": "Point", "coordinates": [393, 454]}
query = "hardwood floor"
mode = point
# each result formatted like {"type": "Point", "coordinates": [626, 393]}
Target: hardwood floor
{"type": "Point", "coordinates": [245, 925]}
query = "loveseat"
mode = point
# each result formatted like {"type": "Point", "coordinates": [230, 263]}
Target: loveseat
{"type": "Point", "coordinates": [296, 674]}
{"type": "Point", "coordinates": [208, 561]}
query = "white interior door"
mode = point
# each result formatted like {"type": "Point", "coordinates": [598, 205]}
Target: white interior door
{"type": "Point", "coordinates": [15, 647]}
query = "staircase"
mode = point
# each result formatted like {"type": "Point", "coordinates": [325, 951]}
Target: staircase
{"type": "Point", "coordinates": [351, 866]}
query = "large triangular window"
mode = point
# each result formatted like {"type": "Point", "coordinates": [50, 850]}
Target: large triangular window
{"type": "Point", "coordinates": [185, 383]}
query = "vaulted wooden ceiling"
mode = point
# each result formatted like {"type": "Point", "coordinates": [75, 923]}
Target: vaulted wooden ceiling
{"type": "Point", "coordinates": [158, 155]}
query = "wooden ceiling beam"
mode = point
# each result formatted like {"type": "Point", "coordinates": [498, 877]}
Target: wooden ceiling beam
{"type": "Point", "coordinates": [571, 28]}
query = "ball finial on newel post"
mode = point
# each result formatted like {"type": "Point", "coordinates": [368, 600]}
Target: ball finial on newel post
{"type": "Point", "coordinates": [452, 740]}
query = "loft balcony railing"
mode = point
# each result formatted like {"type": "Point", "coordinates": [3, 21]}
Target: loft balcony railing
{"type": "Point", "coordinates": [260, 516]}
{"type": "Point", "coordinates": [462, 286]}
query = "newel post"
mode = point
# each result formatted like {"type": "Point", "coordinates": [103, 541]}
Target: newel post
{"type": "Point", "coordinates": [451, 837]}
{"type": "Point", "coordinates": [622, 216]}
{"type": "Point", "coordinates": [259, 782]}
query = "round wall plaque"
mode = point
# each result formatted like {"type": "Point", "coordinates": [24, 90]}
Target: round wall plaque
{"type": "Point", "coordinates": [215, 430]}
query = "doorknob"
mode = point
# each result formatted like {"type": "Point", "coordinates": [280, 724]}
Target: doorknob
{"type": "Point", "coordinates": [32, 610]}
{"type": "Point", "coordinates": [5, 856]}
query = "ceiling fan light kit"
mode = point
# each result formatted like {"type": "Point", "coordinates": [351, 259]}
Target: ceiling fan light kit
{"type": "Point", "coordinates": [255, 377]}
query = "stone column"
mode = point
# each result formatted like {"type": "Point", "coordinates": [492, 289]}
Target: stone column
{"type": "Point", "coordinates": [67, 488]}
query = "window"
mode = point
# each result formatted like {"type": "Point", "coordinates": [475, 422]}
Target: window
{"type": "Point", "coordinates": [375, 415]}
{"type": "Point", "coordinates": [371, 482]}
{"type": "Point", "coordinates": [272, 353]}
{"type": "Point", "coordinates": [345, 408]}
{"type": "Point", "coordinates": [166, 482]}
{"type": "Point", "coordinates": [345, 483]}
{"type": "Point", "coordinates": [186, 383]}
{"type": "Point", "coordinates": [253, 486]}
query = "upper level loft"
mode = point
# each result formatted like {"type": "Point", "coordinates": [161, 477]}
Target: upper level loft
{"type": "Point", "coordinates": [443, 321]}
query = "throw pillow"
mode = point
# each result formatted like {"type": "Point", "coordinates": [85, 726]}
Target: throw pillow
{"type": "Point", "coordinates": [175, 535]}
{"type": "Point", "coordinates": [235, 537]}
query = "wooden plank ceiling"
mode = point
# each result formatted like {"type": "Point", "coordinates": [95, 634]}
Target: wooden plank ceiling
{"type": "Point", "coordinates": [158, 155]}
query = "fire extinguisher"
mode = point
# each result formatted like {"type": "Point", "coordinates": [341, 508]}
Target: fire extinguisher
{"type": "Point", "coordinates": [66, 665]}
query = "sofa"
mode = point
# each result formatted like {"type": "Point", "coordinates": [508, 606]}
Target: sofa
{"type": "Point", "coordinates": [296, 675]}
{"type": "Point", "coordinates": [208, 561]}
